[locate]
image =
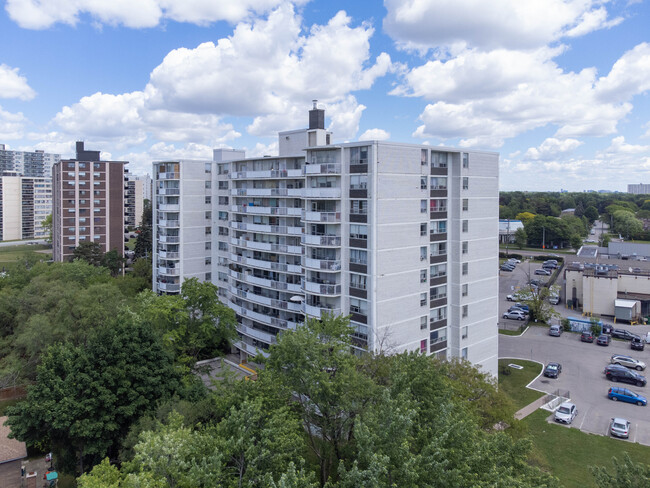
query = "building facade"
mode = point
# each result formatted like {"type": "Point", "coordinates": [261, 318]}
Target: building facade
{"type": "Point", "coordinates": [134, 201]}
{"type": "Point", "coordinates": [639, 189]}
{"type": "Point", "coordinates": [37, 164]}
{"type": "Point", "coordinates": [401, 237]}
{"type": "Point", "coordinates": [88, 203]}
{"type": "Point", "coordinates": [24, 204]}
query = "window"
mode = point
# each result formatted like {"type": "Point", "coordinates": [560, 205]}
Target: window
{"type": "Point", "coordinates": [438, 292]}
{"type": "Point", "coordinates": [464, 332]}
{"type": "Point", "coordinates": [223, 215]}
{"type": "Point", "coordinates": [465, 225]}
{"type": "Point", "coordinates": [358, 306]}
{"type": "Point", "coordinates": [438, 159]}
{"type": "Point", "coordinates": [423, 299]}
{"type": "Point", "coordinates": [463, 353]}
{"type": "Point", "coordinates": [357, 256]}
{"type": "Point", "coordinates": [423, 253]}
{"type": "Point", "coordinates": [465, 183]}
{"type": "Point", "coordinates": [438, 270]}
{"type": "Point", "coordinates": [358, 182]}
{"type": "Point", "coordinates": [437, 336]}
{"type": "Point", "coordinates": [208, 231]}
{"type": "Point", "coordinates": [223, 185]}
{"type": "Point", "coordinates": [223, 200]}
{"type": "Point", "coordinates": [223, 246]}
{"type": "Point", "coordinates": [465, 204]}
{"type": "Point", "coordinates": [208, 167]}
{"type": "Point", "coordinates": [208, 200]}
{"type": "Point", "coordinates": [423, 322]}
{"type": "Point", "coordinates": [358, 281]}
{"type": "Point", "coordinates": [465, 247]}
{"type": "Point", "coordinates": [438, 227]}
{"type": "Point", "coordinates": [359, 207]}
{"type": "Point", "coordinates": [423, 346]}
{"type": "Point", "coordinates": [423, 183]}
{"type": "Point", "coordinates": [208, 246]}
{"type": "Point", "coordinates": [423, 276]}
{"type": "Point", "coordinates": [424, 157]}
{"type": "Point", "coordinates": [359, 155]}
{"type": "Point", "coordinates": [223, 231]}
{"type": "Point", "coordinates": [208, 261]}
{"type": "Point", "coordinates": [423, 206]}
{"type": "Point", "coordinates": [438, 205]}
{"type": "Point", "coordinates": [221, 276]}
{"type": "Point", "coordinates": [465, 289]}
{"type": "Point", "coordinates": [437, 314]}
{"type": "Point", "coordinates": [423, 230]}
{"type": "Point", "coordinates": [208, 184]}
{"type": "Point", "coordinates": [438, 249]}
{"type": "Point", "coordinates": [208, 215]}
{"type": "Point", "coordinates": [465, 160]}
{"type": "Point", "coordinates": [465, 310]}
{"type": "Point", "coordinates": [438, 182]}
{"type": "Point", "coordinates": [358, 231]}
{"type": "Point", "coordinates": [208, 276]}
{"type": "Point", "coordinates": [465, 268]}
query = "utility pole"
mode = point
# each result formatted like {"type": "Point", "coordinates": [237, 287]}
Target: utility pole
{"type": "Point", "coordinates": [507, 238]}
{"type": "Point", "coordinates": [543, 237]}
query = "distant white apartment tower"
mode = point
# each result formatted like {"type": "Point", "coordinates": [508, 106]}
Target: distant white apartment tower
{"type": "Point", "coordinates": [640, 189]}
{"type": "Point", "coordinates": [134, 203]}
{"type": "Point", "coordinates": [37, 164]}
{"type": "Point", "coordinates": [147, 186]}
{"type": "Point", "coordinates": [25, 202]}
{"type": "Point", "coordinates": [401, 237]}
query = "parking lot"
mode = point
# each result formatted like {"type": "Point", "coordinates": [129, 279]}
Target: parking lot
{"type": "Point", "coordinates": [582, 366]}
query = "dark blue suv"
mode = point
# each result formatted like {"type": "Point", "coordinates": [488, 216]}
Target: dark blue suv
{"type": "Point", "coordinates": [623, 394]}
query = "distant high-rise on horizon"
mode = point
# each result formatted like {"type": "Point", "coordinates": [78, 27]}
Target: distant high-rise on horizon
{"type": "Point", "coordinates": [89, 203]}
{"type": "Point", "coordinates": [36, 164]}
{"type": "Point", "coordinates": [639, 189]}
{"type": "Point", "coordinates": [403, 238]}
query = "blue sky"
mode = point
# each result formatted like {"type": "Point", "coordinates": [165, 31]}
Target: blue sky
{"type": "Point", "coordinates": [558, 87]}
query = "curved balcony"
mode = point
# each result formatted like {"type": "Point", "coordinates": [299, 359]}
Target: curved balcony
{"type": "Point", "coordinates": [266, 192]}
{"type": "Point", "coordinates": [256, 334]}
{"type": "Point", "coordinates": [266, 246]}
{"type": "Point", "coordinates": [169, 271]}
{"type": "Point", "coordinates": [266, 301]}
{"type": "Point", "coordinates": [262, 318]}
{"type": "Point", "coordinates": [321, 193]}
{"type": "Point", "coordinates": [276, 285]}
{"type": "Point", "coordinates": [322, 169]}
{"type": "Point", "coordinates": [168, 287]}
{"type": "Point", "coordinates": [259, 263]}
{"type": "Point", "coordinates": [321, 241]}
{"type": "Point", "coordinates": [268, 229]}
{"type": "Point", "coordinates": [322, 217]}
{"type": "Point", "coordinates": [332, 265]}
{"type": "Point", "coordinates": [169, 239]}
{"type": "Point", "coordinates": [168, 255]}
{"type": "Point", "coordinates": [260, 210]}
{"type": "Point", "coordinates": [169, 207]}
{"type": "Point", "coordinates": [320, 310]}
{"type": "Point", "coordinates": [271, 173]}
{"type": "Point", "coordinates": [321, 288]}
{"type": "Point", "coordinates": [174, 224]}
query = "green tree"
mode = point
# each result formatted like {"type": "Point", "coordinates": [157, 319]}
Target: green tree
{"type": "Point", "coordinates": [114, 262]}
{"type": "Point", "coordinates": [627, 474]}
{"type": "Point", "coordinates": [47, 224]}
{"type": "Point", "coordinates": [89, 251]}
{"type": "Point", "coordinates": [195, 324]}
{"type": "Point", "coordinates": [521, 238]}
{"type": "Point", "coordinates": [591, 213]}
{"type": "Point", "coordinates": [143, 243]}
{"type": "Point", "coordinates": [525, 217]}
{"type": "Point", "coordinates": [86, 398]}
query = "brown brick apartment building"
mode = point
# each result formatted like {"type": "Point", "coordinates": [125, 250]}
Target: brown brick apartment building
{"type": "Point", "coordinates": [88, 203]}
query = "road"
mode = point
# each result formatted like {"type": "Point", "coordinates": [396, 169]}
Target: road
{"type": "Point", "coordinates": [20, 243]}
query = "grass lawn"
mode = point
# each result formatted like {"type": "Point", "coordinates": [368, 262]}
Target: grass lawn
{"type": "Point", "coordinates": [10, 254]}
{"type": "Point", "coordinates": [514, 384]}
{"type": "Point", "coordinates": [514, 250]}
{"type": "Point", "coordinates": [568, 453]}
{"type": "Point", "coordinates": [131, 244]}
{"type": "Point", "coordinates": [510, 332]}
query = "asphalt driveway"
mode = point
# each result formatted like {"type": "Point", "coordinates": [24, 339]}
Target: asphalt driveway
{"type": "Point", "coordinates": [582, 375]}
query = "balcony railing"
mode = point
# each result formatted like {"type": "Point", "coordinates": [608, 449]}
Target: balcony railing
{"type": "Point", "coordinates": [315, 240]}
{"type": "Point", "coordinates": [322, 216]}
{"type": "Point", "coordinates": [321, 289]}
{"type": "Point", "coordinates": [322, 169]}
{"type": "Point", "coordinates": [171, 287]}
{"type": "Point", "coordinates": [320, 310]}
{"type": "Point", "coordinates": [329, 264]}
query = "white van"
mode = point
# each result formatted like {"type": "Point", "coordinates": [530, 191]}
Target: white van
{"type": "Point", "coordinates": [554, 299]}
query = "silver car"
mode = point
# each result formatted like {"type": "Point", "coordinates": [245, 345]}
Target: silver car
{"type": "Point", "coordinates": [627, 361]}
{"type": "Point", "coordinates": [620, 428]}
{"type": "Point", "coordinates": [566, 413]}
{"type": "Point", "coordinates": [515, 314]}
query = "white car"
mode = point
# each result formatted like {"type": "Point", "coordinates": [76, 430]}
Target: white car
{"type": "Point", "coordinates": [566, 413]}
{"type": "Point", "coordinates": [543, 272]}
{"type": "Point", "coordinates": [620, 428]}
{"type": "Point", "coordinates": [627, 361]}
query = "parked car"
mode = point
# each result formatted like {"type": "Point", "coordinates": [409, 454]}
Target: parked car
{"type": "Point", "coordinates": [623, 334]}
{"type": "Point", "coordinates": [627, 361]}
{"type": "Point", "coordinates": [515, 308]}
{"type": "Point", "coordinates": [637, 344]}
{"type": "Point", "coordinates": [555, 330]}
{"type": "Point", "coordinates": [542, 271]}
{"type": "Point", "coordinates": [603, 340]}
{"type": "Point", "coordinates": [607, 329]}
{"type": "Point", "coordinates": [615, 373]}
{"type": "Point", "coordinates": [511, 298]}
{"type": "Point", "coordinates": [515, 315]}
{"type": "Point", "coordinates": [566, 413]}
{"type": "Point", "coordinates": [620, 428]}
{"type": "Point", "coordinates": [549, 266]}
{"type": "Point", "coordinates": [554, 299]}
{"type": "Point", "coordinates": [523, 307]}
{"type": "Point", "coordinates": [509, 269]}
{"type": "Point", "coordinates": [617, 393]}
{"type": "Point", "coordinates": [514, 260]}
{"type": "Point", "coordinates": [552, 370]}
{"type": "Point", "coordinates": [587, 336]}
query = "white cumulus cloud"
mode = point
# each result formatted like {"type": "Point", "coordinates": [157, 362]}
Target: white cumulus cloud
{"type": "Point", "coordinates": [551, 148]}
{"type": "Point", "coordinates": [12, 85]}
{"type": "Point", "coordinates": [375, 135]}
{"type": "Point", "coordinates": [12, 125]}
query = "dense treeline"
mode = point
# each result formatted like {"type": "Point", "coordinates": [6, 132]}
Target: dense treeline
{"type": "Point", "coordinates": [539, 211]}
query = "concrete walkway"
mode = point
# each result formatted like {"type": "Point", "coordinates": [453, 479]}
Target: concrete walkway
{"type": "Point", "coordinates": [528, 409]}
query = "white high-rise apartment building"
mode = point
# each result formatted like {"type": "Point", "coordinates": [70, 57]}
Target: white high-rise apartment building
{"type": "Point", "coordinates": [401, 237]}
{"type": "Point", "coordinates": [25, 202]}
{"type": "Point", "coordinates": [37, 164]}
{"type": "Point", "coordinates": [639, 189]}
